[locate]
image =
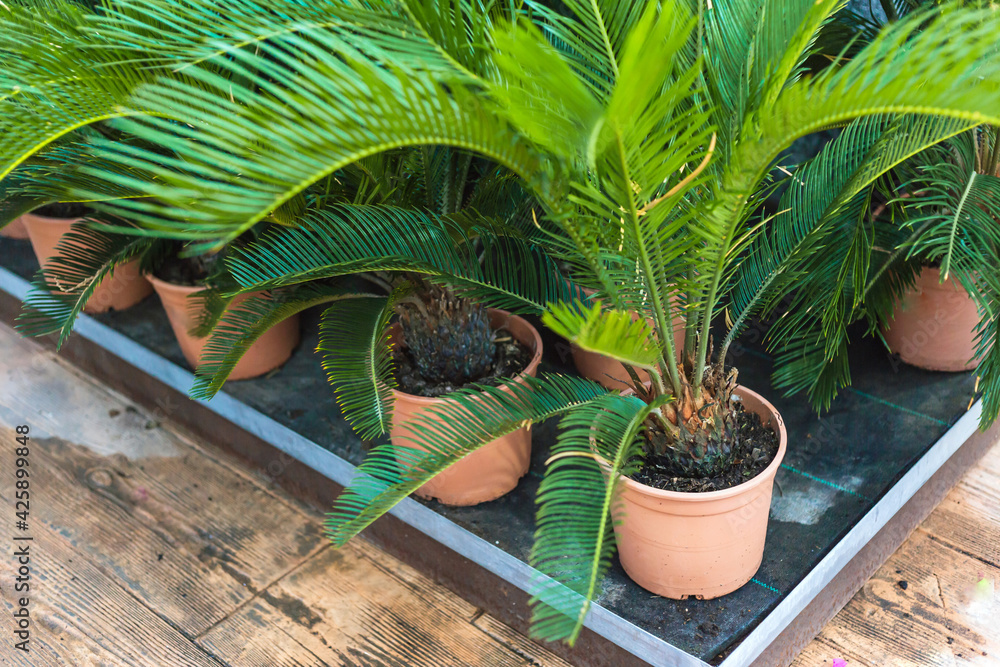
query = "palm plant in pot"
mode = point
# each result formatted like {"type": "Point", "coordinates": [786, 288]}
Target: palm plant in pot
{"type": "Point", "coordinates": [188, 287]}
{"type": "Point", "coordinates": [931, 289]}
{"type": "Point", "coordinates": [430, 231]}
{"type": "Point", "coordinates": [645, 131]}
{"type": "Point", "coordinates": [911, 255]}
{"type": "Point", "coordinates": [951, 211]}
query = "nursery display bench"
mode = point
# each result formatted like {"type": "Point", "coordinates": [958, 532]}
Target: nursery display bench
{"type": "Point", "coordinates": [853, 484]}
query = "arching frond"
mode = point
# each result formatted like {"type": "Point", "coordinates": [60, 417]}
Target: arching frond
{"type": "Point", "coordinates": [220, 184]}
{"type": "Point", "coordinates": [84, 257]}
{"type": "Point", "coordinates": [574, 536]}
{"type": "Point", "coordinates": [465, 421]}
{"type": "Point", "coordinates": [341, 240]}
{"type": "Point", "coordinates": [60, 76]}
{"type": "Point", "coordinates": [239, 326]}
{"type": "Point", "coordinates": [612, 333]}
{"type": "Point", "coordinates": [358, 360]}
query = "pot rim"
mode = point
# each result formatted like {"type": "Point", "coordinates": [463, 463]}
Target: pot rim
{"type": "Point", "coordinates": [190, 289]}
{"type": "Point", "coordinates": [46, 220]}
{"type": "Point", "coordinates": [929, 278]}
{"type": "Point", "coordinates": [706, 496]}
{"type": "Point", "coordinates": [532, 364]}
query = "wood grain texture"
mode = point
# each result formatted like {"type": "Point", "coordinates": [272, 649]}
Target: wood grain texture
{"type": "Point", "coordinates": [72, 598]}
{"type": "Point", "coordinates": [357, 606]}
{"type": "Point", "coordinates": [152, 549]}
{"type": "Point", "coordinates": [185, 534]}
{"type": "Point", "coordinates": [935, 601]}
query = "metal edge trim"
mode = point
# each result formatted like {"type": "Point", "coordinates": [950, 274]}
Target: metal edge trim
{"type": "Point", "coordinates": [605, 623]}
{"type": "Point", "coordinates": [848, 547]}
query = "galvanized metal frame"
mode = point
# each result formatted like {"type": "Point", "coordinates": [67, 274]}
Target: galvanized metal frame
{"type": "Point", "coordinates": [602, 622]}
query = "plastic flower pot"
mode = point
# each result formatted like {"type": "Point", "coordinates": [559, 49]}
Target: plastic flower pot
{"type": "Point", "coordinates": [495, 468]}
{"type": "Point", "coordinates": [610, 373]}
{"type": "Point", "coordinates": [268, 352]}
{"type": "Point", "coordinates": [15, 230]}
{"type": "Point", "coordinates": [698, 545]}
{"type": "Point", "coordinates": [933, 325]}
{"type": "Point", "coordinates": [121, 290]}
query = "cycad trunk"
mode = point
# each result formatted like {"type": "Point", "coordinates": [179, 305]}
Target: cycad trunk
{"type": "Point", "coordinates": [449, 337]}
{"type": "Point", "coordinates": [704, 431]}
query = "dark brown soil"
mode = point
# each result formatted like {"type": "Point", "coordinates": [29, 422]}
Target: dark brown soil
{"type": "Point", "coordinates": [755, 450]}
{"type": "Point", "coordinates": [511, 358]}
{"type": "Point", "coordinates": [62, 211]}
{"type": "Point", "coordinates": [179, 271]}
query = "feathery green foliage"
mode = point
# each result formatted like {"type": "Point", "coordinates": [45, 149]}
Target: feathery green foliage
{"type": "Point", "coordinates": [614, 334]}
{"type": "Point", "coordinates": [84, 257]}
{"type": "Point", "coordinates": [467, 420]}
{"type": "Point", "coordinates": [644, 132]}
{"type": "Point", "coordinates": [354, 340]}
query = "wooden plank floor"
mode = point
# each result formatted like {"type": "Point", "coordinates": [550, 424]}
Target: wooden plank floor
{"type": "Point", "coordinates": [151, 549]}
{"type": "Point", "coordinates": [936, 600]}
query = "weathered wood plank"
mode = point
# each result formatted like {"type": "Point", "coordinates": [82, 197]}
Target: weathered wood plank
{"type": "Point", "coordinates": [969, 518]}
{"type": "Point", "coordinates": [945, 615]}
{"type": "Point", "coordinates": [357, 606]}
{"type": "Point", "coordinates": [518, 643]}
{"type": "Point", "coordinates": [38, 388]}
{"type": "Point", "coordinates": [83, 617]}
{"type": "Point", "coordinates": [186, 534]}
{"type": "Point", "coordinates": [143, 526]}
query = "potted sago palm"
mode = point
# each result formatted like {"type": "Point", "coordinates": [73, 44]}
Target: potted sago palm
{"type": "Point", "coordinates": [645, 133]}
{"type": "Point", "coordinates": [426, 230]}
{"type": "Point", "coordinates": [911, 256]}
{"type": "Point", "coordinates": [188, 287]}
{"type": "Point", "coordinates": [947, 320]}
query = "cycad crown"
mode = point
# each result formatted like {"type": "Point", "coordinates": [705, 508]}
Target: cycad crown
{"type": "Point", "coordinates": [449, 338]}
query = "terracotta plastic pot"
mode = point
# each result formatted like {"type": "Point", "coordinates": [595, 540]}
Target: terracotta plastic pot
{"type": "Point", "coordinates": [700, 545]}
{"type": "Point", "coordinates": [125, 288]}
{"type": "Point", "coordinates": [270, 351]}
{"type": "Point", "coordinates": [15, 230]}
{"type": "Point", "coordinates": [495, 468]}
{"type": "Point", "coordinates": [610, 373]}
{"type": "Point", "coordinates": [933, 326]}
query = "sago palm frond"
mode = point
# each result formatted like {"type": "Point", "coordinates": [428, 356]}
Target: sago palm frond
{"type": "Point", "coordinates": [612, 333]}
{"type": "Point", "coordinates": [574, 536]}
{"type": "Point", "coordinates": [84, 257]}
{"type": "Point", "coordinates": [358, 360]}
{"type": "Point", "coordinates": [816, 193]}
{"type": "Point", "coordinates": [228, 184]}
{"type": "Point", "coordinates": [61, 75]}
{"type": "Point", "coordinates": [237, 327]}
{"type": "Point", "coordinates": [342, 240]}
{"type": "Point", "coordinates": [467, 420]}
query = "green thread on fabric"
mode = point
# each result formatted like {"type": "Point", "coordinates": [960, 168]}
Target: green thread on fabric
{"type": "Point", "coordinates": [823, 481]}
{"type": "Point", "coordinates": [768, 587]}
{"type": "Point", "coordinates": [898, 407]}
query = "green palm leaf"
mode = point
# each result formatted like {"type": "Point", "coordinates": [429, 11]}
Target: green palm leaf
{"type": "Point", "coordinates": [84, 257]}
{"type": "Point", "coordinates": [612, 333]}
{"type": "Point", "coordinates": [358, 360]}
{"type": "Point", "coordinates": [787, 249]}
{"type": "Point", "coordinates": [220, 184]}
{"type": "Point", "coordinates": [515, 274]}
{"type": "Point", "coordinates": [238, 326]}
{"type": "Point", "coordinates": [464, 422]}
{"type": "Point", "coordinates": [574, 538]}
{"type": "Point", "coordinates": [60, 76]}
{"type": "Point", "coordinates": [913, 66]}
